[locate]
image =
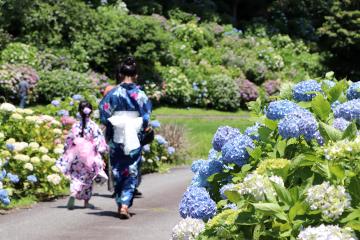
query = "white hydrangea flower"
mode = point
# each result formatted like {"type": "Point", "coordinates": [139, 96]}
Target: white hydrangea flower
{"type": "Point", "coordinates": [96, 114]}
{"type": "Point", "coordinates": [2, 136]}
{"type": "Point", "coordinates": [55, 169]}
{"type": "Point", "coordinates": [278, 180]}
{"type": "Point", "coordinates": [187, 229]}
{"type": "Point", "coordinates": [59, 151]}
{"type": "Point", "coordinates": [46, 158]}
{"type": "Point", "coordinates": [331, 200]}
{"type": "Point", "coordinates": [16, 116]}
{"type": "Point", "coordinates": [34, 145]}
{"type": "Point", "coordinates": [43, 150]}
{"type": "Point", "coordinates": [28, 111]}
{"type": "Point", "coordinates": [35, 160]}
{"type": "Point", "coordinates": [342, 149]}
{"type": "Point", "coordinates": [54, 179]}
{"type": "Point", "coordinates": [20, 146]}
{"type": "Point", "coordinates": [22, 157]}
{"type": "Point", "coordinates": [1, 185]}
{"type": "Point", "coordinates": [31, 119]}
{"type": "Point", "coordinates": [29, 166]}
{"type": "Point", "coordinates": [56, 122]}
{"type": "Point", "coordinates": [258, 186]}
{"type": "Point", "coordinates": [7, 107]}
{"type": "Point", "coordinates": [10, 141]}
{"type": "Point", "coordinates": [329, 232]}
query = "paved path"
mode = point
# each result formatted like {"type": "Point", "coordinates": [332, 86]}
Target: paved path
{"type": "Point", "coordinates": [155, 214]}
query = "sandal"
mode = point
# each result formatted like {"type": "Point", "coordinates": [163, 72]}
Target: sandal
{"type": "Point", "coordinates": [124, 212]}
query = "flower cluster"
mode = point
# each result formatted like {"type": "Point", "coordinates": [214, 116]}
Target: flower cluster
{"type": "Point", "coordinates": [271, 87]}
{"type": "Point", "coordinates": [252, 131]}
{"type": "Point", "coordinates": [187, 229]}
{"type": "Point", "coordinates": [222, 135]}
{"type": "Point", "coordinates": [4, 197]}
{"type": "Point", "coordinates": [258, 186]}
{"type": "Point", "coordinates": [277, 166]}
{"type": "Point", "coordinates": [160, 139]}
{"type": "Point", "coordinates": [196, 165]}
{"type": "Point", "coordinates": [326, 232]}
{"type": "Point", "coordinates": [349, 110]}
{"type": "Point", "coordinates": [196, 203]}
{"type": "Point", "coordinates": [331, 200]}
{"type": "Point", "coordinates": [341, 124]}
{"type": "Point", "coordinates": [235, 150]}
{"type": "Point", "coordinates": [279, 109]}
{"type": "Point", "coordinates": [248, 90]}
{"type": "Point", "coordinates": [298, 123]}
{"type": "Point", "coordinates": [305, 90]}
{"type": "Point", "coordinates": [342, 149]}
{"type": "Point", "coordinates": [354, 91]}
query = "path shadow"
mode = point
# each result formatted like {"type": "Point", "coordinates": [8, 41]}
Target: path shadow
{"type": "Point", "coordinates": [102, 195]}
{"type": "Point", "coordinates": [107, 214]}
{"type": "Point", "coordinates": [80, 207]}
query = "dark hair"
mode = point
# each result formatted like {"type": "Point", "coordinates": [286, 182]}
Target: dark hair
{"type": "Point", "coordinates": [82, 105]}
{"type": "Point", "coordinates": [126, 69]}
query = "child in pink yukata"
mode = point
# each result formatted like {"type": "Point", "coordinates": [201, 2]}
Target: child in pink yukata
{"type": "Point", "coordinates": [82, 161]}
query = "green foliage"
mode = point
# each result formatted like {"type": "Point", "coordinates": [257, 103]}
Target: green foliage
{"type": "Point", "coordinates": [62, 83]}
{"type": "Point", "coordinates": [223, 93]}
{"type": "Point", "coordinates": [19, 53]}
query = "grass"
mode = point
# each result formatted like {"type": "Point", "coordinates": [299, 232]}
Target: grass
{"type": "Point", "coordinates": [200, 130]}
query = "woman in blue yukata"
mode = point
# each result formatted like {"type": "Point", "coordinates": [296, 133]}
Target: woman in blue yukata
{"type": "Point", "coordinates": [125, 111]}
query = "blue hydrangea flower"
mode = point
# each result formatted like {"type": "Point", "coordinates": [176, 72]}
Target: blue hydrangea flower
{"type": "Point", "coordinates": [2, 174]}
{"type": "Point", "coordinates": [252, 131]}
{"type": "Point", "coordinates": [234, 151]}
{"type": "Point", "coordinates": [303, 91]}
{"type": "Point", "coordinates": [32, 178]}
{"type": "Point", "coordinates": [63, 112]}
{"type": "Point", "coordinates": [10, 147]}
{"type": "Point", "coordinates": [279, 109]}
{"type": "Point", "coordinates": [320, 139]}
{"type": "Point", "coordinates": [146, 148]}
{"type": "Point", "coordinates": [224, 188]}
{"type": "Point", "coordinates": [71, 103]}
{"type": "Point", "coordinates": [341, 124]}
{"type": "Point", "coordinates": [171, 150]}
{"type": "Point", "coordinates": [160, 139]}
{"type": "Point", "coordinates": [155, 124]}
{"type": "Point", "coordinates": [199, 181]}
{"type": "Point", "coordinates": [348, 110]}
{"type": "Point", "coordinates": [13, 178]}
{"type": "Point", "coordinates": [354, 91]}
{"type": "Point", "coordinates": [299, 123]}
{"type": "Point", "coordinates": [4, 197]}
{"type": "Point", "coordinates": [196, 203]}
{"type": "Point", "coordinates": [196, 165]}
{"type": "Point", "coordinates": [335, 104]}
{"type": "Point", "coordinates": [209, 168]}
{"type": "Point", "coordinates": [56, 103]}
{"type": "Point", "coordinates": [329, 83]}
{"type": "Point", "coordinates": [77, 97]}
{"type": "Point", "coordinates": [222, 135]}
{"type": "Point", "coordinates": [232, 206]}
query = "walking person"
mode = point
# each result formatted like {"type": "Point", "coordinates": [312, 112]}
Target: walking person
{"type": "Point", "coordinates": [82, 161]}
{"type": "Point", "coordinates": [125, 111]}
{"type": "Point", "coordinates": [23, 92]}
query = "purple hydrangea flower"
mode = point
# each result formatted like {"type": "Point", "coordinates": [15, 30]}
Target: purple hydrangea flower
{"type": "Point", "coordinates": [252, 131]}
{"type": "Point", "coordinates": [160, 139]}
{"type": "Point", "coordinates": [196, 203]}
{"type": "Point", "coordinates": [299, 123]}
{"type": "Point", "coordinates": [222, 135]}
{"type": "Point", "coordinates": [341, 124]}
{"type": "Point", "coordinates": [13, 178]}
{"type": "Point", "coordinates": [155, 124]}
{"type": "Point", "coordinates": [248, 90]}
{"type": "Point", "coordinates": [354, 91]}
{"type": "Point", "coordinates": [304, 91]}
{"type": "Point", "coordinates": [71, 103]}
{"type": "Point", "coordinates": [279, 109]}
{"type": "Point", "coordinates": [63, 112]}
{"type": "Point", "coordinates": [56, 103]}
{"type": "Point", "coordinates": [271, 87]}
{"type": "Point", "coordinates": [196, 165]}
{"type": "Point", "coordinates": [234, 151]}
{"type": "Point", "coordinates": [4, 197]}
{"type": "Point", "coordinates": [146, 148]}
{"type": "Point", "coordinates": [77, 97]}
{"type": "Point", "coordinates": [171, 150]}
{"type": "Point", "coordinates": [32, 178]}
{"type": "Point", "coordinates": [349, 110]}
{"type": "Point", "coordinates": [224, 188]}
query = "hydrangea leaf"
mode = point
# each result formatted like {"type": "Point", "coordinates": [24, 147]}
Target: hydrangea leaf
{"type": "Point", "coordinates": [270, 124]}
{"type": "Point", "coordinates": [298, 209]}
{"type": "Point", "coordinates": [255, 153]}
{"type": "Point", "coordinates": [355, 225]}
{"type": "Point", "coordinates": [329, 132]}
{"type": "Point", "coordinates": [354, 189]}
{"type": "Point", "coordinates": [280, 147]}
{"type": "Point", "coordinates": [283, 194]}
{"type": "Point", "coordinates": [321, 107]}
{"type": "Point", "coordinates": [338, 172]}
{"type": "Point", "coordinates": [264, 134]}
{"type": "Point", "coordinates": [233, 196]}
{"type": "Point", "coordinates": [271, 209]}
{"type": "Point", "coordinates": [350, 132]}
{"type": "Point", "coordinates": [355, 214]}
{"type": "Point", "coordinates": [335, 92]}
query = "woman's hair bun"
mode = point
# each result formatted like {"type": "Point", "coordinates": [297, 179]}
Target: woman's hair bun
{"type": "Point", "coordinates": [129, 61]}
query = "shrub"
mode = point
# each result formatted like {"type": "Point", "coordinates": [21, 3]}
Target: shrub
{"type": "Point", "coordinates": [19, 53]}
{"type": "Point", "coordinates": [62, 83]}
{"type": "Point", "coordinates": [223, 93]}
{"type": "Point", "coordinates": [271, 87]}
{"type": "Point", "coordinates": [10, 77]}
{"type": "Point", "coordinates": [248, 91]}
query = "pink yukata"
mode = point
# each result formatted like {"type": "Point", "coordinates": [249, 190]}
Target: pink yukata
{"type": "Point", "coordinates": [82, 160]}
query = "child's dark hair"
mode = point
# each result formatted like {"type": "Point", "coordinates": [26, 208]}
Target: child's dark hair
{"type": "Point", "coordinates": [127, 68]}
{"type": "Point", "coordinates": [84, 113]}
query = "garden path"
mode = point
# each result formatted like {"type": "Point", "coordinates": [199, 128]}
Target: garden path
{"type": "Point", "coordinates": [155, 214]}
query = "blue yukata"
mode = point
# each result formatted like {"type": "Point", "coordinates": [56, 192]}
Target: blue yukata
{"type": "Point", "coordinates": [125, 98]}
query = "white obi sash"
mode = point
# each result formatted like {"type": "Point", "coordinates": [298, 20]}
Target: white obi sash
{"type": "Point", "coordinates": [127, 125]}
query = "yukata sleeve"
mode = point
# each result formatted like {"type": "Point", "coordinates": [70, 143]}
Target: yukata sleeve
{"type": "Point", "coordinates": [106, 108]}
{"type": "Point", "coordinates": [145, 111]}
{"type": "Point", "coordinates": [99, 139]}
{"type": "Point", "coordinates": [63, 161]}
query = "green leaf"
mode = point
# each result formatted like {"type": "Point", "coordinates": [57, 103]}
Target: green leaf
{"type": "Point", "coordinates": [271, 209]}
{"type": "Point", "coordinates": [283, 194]}
{"type": "Point", "coordinates": [354, 190]}
{"type": "Point", "coordinates": [352, 216]}
{"type": "Point", "coordinates": [350, 132]}
{"type": "Point", "coordinates": [338, 172]}
{"type": "Point", "coordinates": [233, 196]}
{"type": "Point", "coordinates": [304, 104]}
{"type": "Point", "coordinates": [298, 209]}
{"type": "Point", "coordinates": [336, 91]}
{"type": "Point", "coordinates": [264, 134]}
{"type": "Point", "coordinates": [321, 107]}
{"type": "Point", "coordinates": [280, 147]}
{"type": "Point", "coordinates": [255, 153]}
{"type": "Point", "coordinates": [355, 225]}
{"type": "Point", "coordinates": [270, 124]}
{"type": "Point", "coordinates": [329, 132]}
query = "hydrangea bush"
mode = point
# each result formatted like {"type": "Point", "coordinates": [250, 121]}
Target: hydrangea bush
{"type": "Point", "coordinates": [297, 179]}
